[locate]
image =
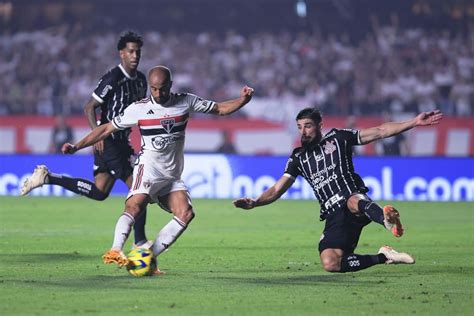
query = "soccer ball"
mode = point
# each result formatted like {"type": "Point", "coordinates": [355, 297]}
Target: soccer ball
{"type": "Point", "coordinates": [141, 262]}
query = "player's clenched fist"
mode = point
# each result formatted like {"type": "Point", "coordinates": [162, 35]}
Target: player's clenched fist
{"type": "Point", "coordinates": [246, 93]}
{"type": "Point", "coordinates": [68, 148]}
{"type": "Point", "coordinates": [245, 203]}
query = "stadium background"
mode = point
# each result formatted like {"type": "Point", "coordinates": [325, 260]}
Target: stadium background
{"type": "Point", "coordinates": [357, 61]}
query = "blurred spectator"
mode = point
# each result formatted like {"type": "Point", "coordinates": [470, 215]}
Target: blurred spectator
{"type": "Point", "coordinates": [392, 146]}
{"type": "Point", "coordinates": [62, 133]}
{"type": "Point", "coordinates": [227, 145]}
{"type": "Point", "coordinates": [392, 66]}
{"type": "Point", "coordinates": [351, 124]}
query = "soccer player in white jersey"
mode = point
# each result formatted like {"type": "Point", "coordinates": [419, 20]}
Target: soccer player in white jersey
{"type": "Point", "coordinates": [162, 119]}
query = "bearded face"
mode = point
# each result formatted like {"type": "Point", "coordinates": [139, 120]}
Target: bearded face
{"type": "Point", "coordinates": [310, 132]}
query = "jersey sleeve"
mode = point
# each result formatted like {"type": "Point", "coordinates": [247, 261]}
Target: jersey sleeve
{"type": "Point", "coordinates": [105, 88]}
{"type": "Point", "coordinates": [197, 104]}
{"type": "Point", "coordinates": [128, 118]}
{"type": "Point", "coordinates": [291, 169]}
{"type": "Point", "coordinates": [352, 136]}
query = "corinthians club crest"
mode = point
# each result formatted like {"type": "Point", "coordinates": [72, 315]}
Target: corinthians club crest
{"type": "Point", "coordinates": [168, 124]}
{"type": "Point", "coordinates": [329, 147]}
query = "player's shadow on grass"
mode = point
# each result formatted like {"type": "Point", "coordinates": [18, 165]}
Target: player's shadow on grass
{"type": "Point", "coordinates": [339, 279]}
{"type": "Point", "coordinates": [99, 282]}
{"type": "Point", "coordinates": [373, 278]}
{"type": "Point", "coordinates": [46, 257]}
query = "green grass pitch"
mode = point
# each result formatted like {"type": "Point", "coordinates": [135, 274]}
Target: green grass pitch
{"type": "Point", "coordinates": [229, 262]}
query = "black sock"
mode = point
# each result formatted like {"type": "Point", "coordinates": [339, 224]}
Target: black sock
{"type": "Point", "coordinates": [371, 210]}
{"type": "Point", "coordinates": [79, 186]}
{"type": "Point", "coordinates": [139, 229]}
{"type": "Point", "coordinates": [354, 262]}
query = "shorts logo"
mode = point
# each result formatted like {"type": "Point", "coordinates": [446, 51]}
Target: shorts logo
{"type": "Point", "coordinates": [167, 124]}
{"type": "Point", "coordinates": [146, 184]}
{"type": "Point", "coordinates": [329, 147]}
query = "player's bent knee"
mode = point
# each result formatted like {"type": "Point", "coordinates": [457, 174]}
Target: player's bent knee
{"type": "Point", "coordinates": [353, 203]}
{"type": "Point", "coordinates": [331, 264]}
{"type": "Point", "coordinates": [185, 215]}
{"type": "Point", "coordinates": [99, 196]}
{"type": "Point", "coordinates": [133, 209]}
{"type": "Point", "coordinates": [188, 216]}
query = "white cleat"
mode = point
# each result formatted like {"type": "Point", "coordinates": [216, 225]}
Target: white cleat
{"type": "Point", "coordinates": [37, 179]}
{"type": "Point", "coordinates": [394, 257]}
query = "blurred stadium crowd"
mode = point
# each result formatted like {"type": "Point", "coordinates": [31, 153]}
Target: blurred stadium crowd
{"type": "Point", "coordinates": [390, 67]}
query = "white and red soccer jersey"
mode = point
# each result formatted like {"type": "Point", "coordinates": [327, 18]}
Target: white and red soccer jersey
{"type": "Point", "coordinates": [162, 127]}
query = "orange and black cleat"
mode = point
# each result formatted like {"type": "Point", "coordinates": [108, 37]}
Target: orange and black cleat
{"type": "Point", "coordinates": [392, 221]}
{"type": "Point", "coordinates": [115, 256]}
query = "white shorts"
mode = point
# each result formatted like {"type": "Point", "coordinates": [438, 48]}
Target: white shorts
{"type": "Point", "coordinates": [149, 180]}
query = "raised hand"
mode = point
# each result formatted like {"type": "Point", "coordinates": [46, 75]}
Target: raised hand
{"type": "Point", "coordinates": [429, 118]}
{"type": "Point", "coordinates": [246, 94]}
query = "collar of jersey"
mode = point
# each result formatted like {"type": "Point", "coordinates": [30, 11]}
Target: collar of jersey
{"type": "Point", "coordinates": [126, 73]}
{"type": "Point", "coordinates": [154, 101]}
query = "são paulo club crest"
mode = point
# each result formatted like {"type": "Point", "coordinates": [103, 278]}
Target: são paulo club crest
{"type": "Point", "coordinates": [168, 124]}
{"type": "Point", "coordinates": [329, 147]}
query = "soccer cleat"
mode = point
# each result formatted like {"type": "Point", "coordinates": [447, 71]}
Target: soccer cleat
{"type": "Point", "coordinates": [37, 179]}
{"type": "Point", "coordinates": [392, 220]}
{"type": "Point", "coordinates": [115, 256]}
{"type": "Point", "coordinates": [156, 270]}
{"type": "Point", "coordinates": [394, 257]}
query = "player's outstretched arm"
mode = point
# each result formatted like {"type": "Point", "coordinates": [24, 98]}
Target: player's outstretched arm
{"type": "Point", "coordinates": [89, 112]}
{"type": "Point", "coordinates": [93, 137]}
{"type": "Point", "coordinates": [267, 197]}
{"type": "Point", "coordinates": [389, 129]}
{"type": "Point", "coordinates": [230, 106]}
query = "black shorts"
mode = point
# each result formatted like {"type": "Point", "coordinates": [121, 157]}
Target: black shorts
{"type": "Point", "coordinates": [342, 231]}
{"type": "Point", "coordinates": [116, 159]}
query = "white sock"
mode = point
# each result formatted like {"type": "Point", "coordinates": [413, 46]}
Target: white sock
{"type": "Point", "coordinates": [122, 230]}
{"type": "Point", "coordinates": [168, 235]}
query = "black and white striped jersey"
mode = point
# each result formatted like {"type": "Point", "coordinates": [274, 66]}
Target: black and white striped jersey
{"type": "Point", "coordinates": [328, 168]}
{"type": "Point", "coordinates": [115, 91]}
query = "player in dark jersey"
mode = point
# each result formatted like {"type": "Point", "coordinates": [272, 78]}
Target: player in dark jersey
{"type": "Point", "coordinates": [326, 164]}
{"type": "Point", "coordinates": [118, 88]}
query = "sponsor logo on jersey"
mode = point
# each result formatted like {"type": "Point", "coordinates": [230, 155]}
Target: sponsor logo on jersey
{"type": "Point", "coordinates": [329, 147]}
{"type": "Point", "coordinates": [106, 90]}
{"type": "Point", "coordinates": [160, 142]}
{"type": "Point", "coordinates": [168, 124]}
{"type": "Point", "coordinates": [333, 200]}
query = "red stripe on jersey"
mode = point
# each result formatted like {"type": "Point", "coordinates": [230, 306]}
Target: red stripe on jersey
{"type": "Point", "coordinates": [177, 119]}
{"type": "Point", "coordinates": [138, 179]}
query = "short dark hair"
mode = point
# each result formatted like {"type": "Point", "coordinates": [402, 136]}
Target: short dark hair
{"type": "Point", "coordinates": [129, 37]}
{"type": "Point", "coordinates": [311, 113]}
